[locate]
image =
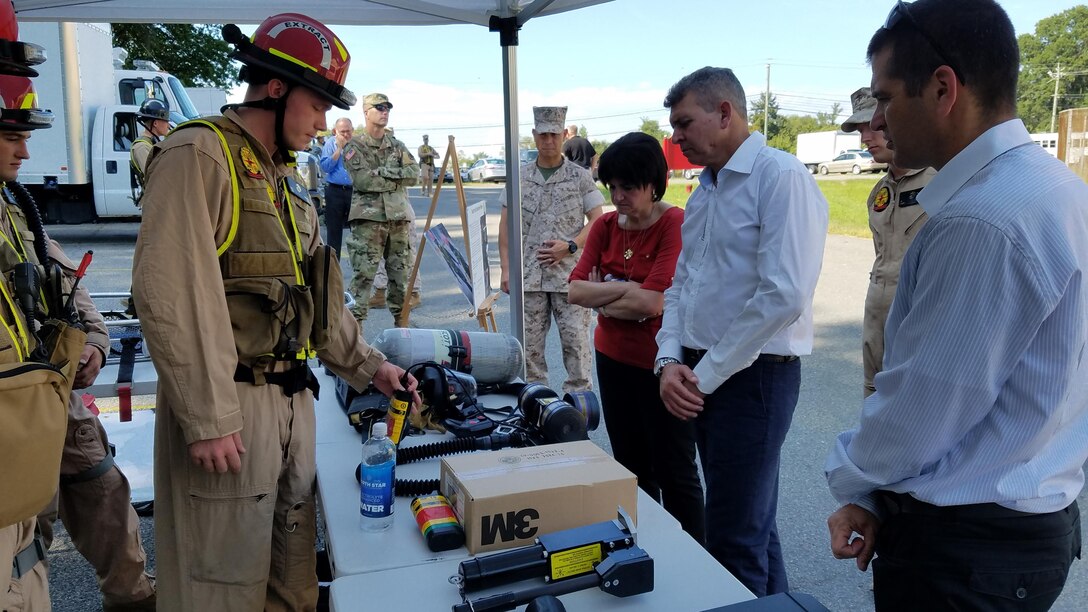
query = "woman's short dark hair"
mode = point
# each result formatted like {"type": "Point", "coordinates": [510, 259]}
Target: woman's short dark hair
{"type": "Point", "coordinates": [635, 159]}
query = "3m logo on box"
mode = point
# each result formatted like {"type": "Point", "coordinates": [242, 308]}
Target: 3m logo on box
{"type": "Point", "coordinates": [509, 497]}
{"type": "Point", "coordinates": [509, 527]}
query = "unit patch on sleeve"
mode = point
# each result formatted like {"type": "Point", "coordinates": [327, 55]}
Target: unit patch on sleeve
{"type": "Point", "coordinates": [880, 202]}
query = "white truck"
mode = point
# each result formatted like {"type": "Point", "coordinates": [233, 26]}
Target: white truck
{"type": "Point", "coordinates": [79, 169]}
{"type": "Point", "coordinates": [815, 148]}
{"type": "Point", "coordinates": [207, 100]}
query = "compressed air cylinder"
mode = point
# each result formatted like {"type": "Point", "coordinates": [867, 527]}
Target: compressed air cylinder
{"type": "Point", "coordinates": [488, 357]}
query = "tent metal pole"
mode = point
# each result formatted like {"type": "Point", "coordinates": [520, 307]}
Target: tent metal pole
{"type": "Point", "coordinates": [508, 38]}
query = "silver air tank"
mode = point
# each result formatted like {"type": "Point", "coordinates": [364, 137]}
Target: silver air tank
{"type": "Point", "coordinates": [488, 357]}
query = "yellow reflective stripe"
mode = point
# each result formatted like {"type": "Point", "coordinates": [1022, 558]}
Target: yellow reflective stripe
{"type": "Point", "coordinates": [341, 49]}
{"type": "Point", "coordinates": [293, 60]}
{"type": "Point", "coordinates": [25, 352]}
{"type": "Point", "coordinates": [306, 352]}
{"type": "Point", "coordinates": [19, 250]}
{"type": "Point", "coordinates": [233, 231]}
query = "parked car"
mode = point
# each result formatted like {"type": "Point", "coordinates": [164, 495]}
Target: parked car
{"type": "Point", "coordinates": [464, 174]}
{"type": "Point", "coordinates": [528, 155]}
{"type": "Point", "coordinates": [491, 169]}
{"type": "Point", "coordinates": [447, 179]}
{"type": "Point", "coordinates": [854, 162]}
{"type": "Point", "coordinates": [310, 176]}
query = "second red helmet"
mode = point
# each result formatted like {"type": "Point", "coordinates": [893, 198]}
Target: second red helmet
{"type": "Point", "coordinates": [16, 57]}
{"type": "Point", "coordinates": [20, 110]}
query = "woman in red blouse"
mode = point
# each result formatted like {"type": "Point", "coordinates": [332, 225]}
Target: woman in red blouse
{"type": "Point", "coordinates": [627, 263]}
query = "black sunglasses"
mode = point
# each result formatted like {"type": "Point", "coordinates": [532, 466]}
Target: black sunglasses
{"type": "Point", "coordinates": [382, 108]}
{"type": "Point", "coordinates": [900, 12]}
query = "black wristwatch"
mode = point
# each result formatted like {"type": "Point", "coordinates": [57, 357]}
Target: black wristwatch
{"type": "Point", "coordinates": [572, 246]}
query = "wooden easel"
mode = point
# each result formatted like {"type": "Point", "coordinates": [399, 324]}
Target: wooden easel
{"type": "Point", "coordinates": [484, 315]}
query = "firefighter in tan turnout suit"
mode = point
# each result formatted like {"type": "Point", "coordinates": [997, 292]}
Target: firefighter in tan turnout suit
{"type": "Point", "coordinates": [229, 283]}
{"type": "Point", "coordinates": [93, 499]}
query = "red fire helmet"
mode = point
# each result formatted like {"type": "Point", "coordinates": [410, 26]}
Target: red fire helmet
{"type": "Point", "coordinates": [297, 49]}
{"type": "Point", "coordinates": [19, 102]}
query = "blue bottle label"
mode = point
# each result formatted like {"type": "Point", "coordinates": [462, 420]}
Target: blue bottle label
{"type": "Point", "coordinates": [376, 490]}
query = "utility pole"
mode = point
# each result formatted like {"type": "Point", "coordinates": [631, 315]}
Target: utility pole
{"type": "Point", "coordinates": [1054, 109]}
{"type": "Point", "coordinates": [767, 103]}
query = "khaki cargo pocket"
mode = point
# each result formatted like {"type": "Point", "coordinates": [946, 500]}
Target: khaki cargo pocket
{"type": "Point", "coordinates": [229, 534]}
{"type": "Point", "coordinates": [295, 555]}
{"type": "Point", "coordinates": [327, 292]}
{"type": "Point", "coordinates": [33, 422]}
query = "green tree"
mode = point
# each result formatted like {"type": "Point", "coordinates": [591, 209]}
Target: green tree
{"type": "Point", "coordinates": [653, 128]}
{"type": "Point", "coordinates": [526, 142]}
{"type": "Point", "coordinates": [758, 111]}
{"type": "Point", "coordinates": [1061, 38]}
{"type": "Point", "coordinates": [196, 54]}
{"type": "Point", "coordinates": [830, 118]}
{"type": "Point", "coordinates": [599, 145]}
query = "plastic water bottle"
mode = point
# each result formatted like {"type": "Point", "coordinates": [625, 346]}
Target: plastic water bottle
{"type": "Point", "coordinates": [376, 482]}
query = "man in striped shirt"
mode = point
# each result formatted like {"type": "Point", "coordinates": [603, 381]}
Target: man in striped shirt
{"type": "Point", "coordinates": [963, 474]}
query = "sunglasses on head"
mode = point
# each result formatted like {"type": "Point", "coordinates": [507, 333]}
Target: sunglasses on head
{"type": "Point", "coordinates": [901, 13]}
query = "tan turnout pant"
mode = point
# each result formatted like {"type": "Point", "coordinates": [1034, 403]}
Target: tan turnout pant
{"type": "Point", "coordinates": [31, 592]}
{"type": "Point", "coordinates": [239, 541]}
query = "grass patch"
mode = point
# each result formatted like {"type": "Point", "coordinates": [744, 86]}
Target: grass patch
{"type": "Point", "coordinates": [845, 199]}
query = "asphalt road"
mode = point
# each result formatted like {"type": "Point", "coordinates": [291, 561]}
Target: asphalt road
{"type": "Point", "coordinates": [829, 401]}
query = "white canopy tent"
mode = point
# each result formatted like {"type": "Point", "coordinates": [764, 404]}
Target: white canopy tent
{"type": "Point", "coordinates": [503, 16]}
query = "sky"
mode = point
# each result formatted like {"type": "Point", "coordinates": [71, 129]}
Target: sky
{"type": "Point", "coordinates": [612, 64]}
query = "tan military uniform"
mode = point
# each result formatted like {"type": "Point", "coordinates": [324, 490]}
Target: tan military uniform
{"type": "Point", "coordinates": [380, 218]}
{"type": "Point", "coordinates": [894, 218]}
{"type": "Point", "coordinates": [555, 209]}
{"type": "Point", "coordinates": [227, 541]}
{"type": "Point", "coordinates": [427, 157]}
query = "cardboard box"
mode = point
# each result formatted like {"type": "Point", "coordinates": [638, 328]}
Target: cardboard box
{"type": "Point", "coordinates": [507, 498]}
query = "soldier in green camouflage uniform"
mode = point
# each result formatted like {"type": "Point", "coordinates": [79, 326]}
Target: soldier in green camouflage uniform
{"type": "Point", "coordinates": [381, 169]}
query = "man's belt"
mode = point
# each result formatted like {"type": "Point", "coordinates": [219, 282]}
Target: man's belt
{"type": "Point", "coordinates": [693, 356]}
{"type": "Point", "coordinates": [292, 381]}
{"type": "Point", "coordinates": [28, 557]}
{"type": "Point", "coordinates": [903, 503]}
{"type": "Point", "coordinates": [342, 187]}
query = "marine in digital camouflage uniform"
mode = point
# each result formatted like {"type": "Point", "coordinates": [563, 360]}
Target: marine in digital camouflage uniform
{"type": "Point", "coordinates": [559, 202]}
{"type": "Point", "coordinates": [427, 156]}
{"type": "Point", "coordinates": [381, 170]}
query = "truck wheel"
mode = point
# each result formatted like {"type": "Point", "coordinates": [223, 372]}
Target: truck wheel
{"type": "Point", "coordinates": [856, 170]}
{"type": "Point", "coordinates": [689, 174]}
{"type": "Point", "coordinates": [823, 169]}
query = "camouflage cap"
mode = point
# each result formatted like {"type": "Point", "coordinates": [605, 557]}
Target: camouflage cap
{"type": "Point", "coordinates": [864, 105]}
{"type": "Point", "coordinates": [374, 99]}
{"type": "Point", "coordinates": [549, 119]}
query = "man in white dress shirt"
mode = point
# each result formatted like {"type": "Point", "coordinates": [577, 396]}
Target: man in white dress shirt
{"type": "Point", "coordinates": [963, 473]}
{"type": "Point", "coordinates": [739, 316]}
